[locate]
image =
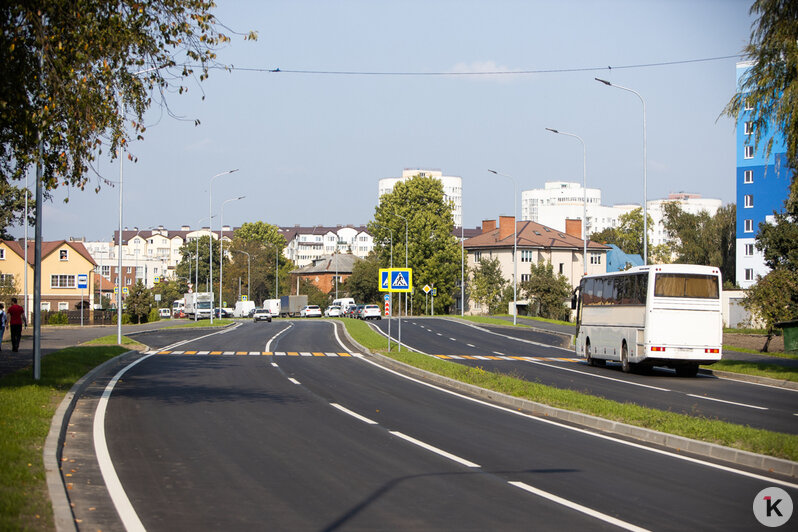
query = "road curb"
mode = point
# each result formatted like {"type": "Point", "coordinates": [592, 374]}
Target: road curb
{"type": "Point", "coordinates": [669, 441]}
{"type": "Point", "coordinates": [54, 443]}
{"type": "Point", "coordinates": [756, 379]}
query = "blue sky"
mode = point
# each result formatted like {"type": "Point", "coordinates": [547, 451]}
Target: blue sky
{"type": "Point", "coordinates": [310, 148]}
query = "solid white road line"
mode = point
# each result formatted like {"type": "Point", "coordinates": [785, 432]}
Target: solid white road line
{"type": "Point", "coordinates": [435, 450]}
{"type": "Point", "coordinates": [578, 507]}
{"type": "Point", "coordinates": [124, 508]}
{"type": "Point", "coordinates": [727, 402]}
{"type": "Point", "coordinates": [293, 380]}
{"type": "Point", "coordinates": [588, 374]}
{"type": "Point", "coordinates": [355, 415]}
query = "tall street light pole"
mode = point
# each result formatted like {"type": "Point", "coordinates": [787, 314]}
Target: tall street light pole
{"type": "Point", "coordinates": [645, 184]}
{"type": "Point", "coordinates": [515, 244]}
{"type": "Point", "coordinates": [248, 270]}
{"type": "Point", "coordinates": [210, 242]}
{"type": "Point", "coordinates": [584, 190]}
{"type": "Point", "coordinates": [390, 296]}
{"type": "Point", "coordinates": [221, 249]}
{"type": "Point", "coordinates": [400, 295]}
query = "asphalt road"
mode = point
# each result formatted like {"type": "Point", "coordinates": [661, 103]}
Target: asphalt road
{"type": "Point", "coordinates": [538, 360]}
{"type": "Point", "coordinates": [286, 428]}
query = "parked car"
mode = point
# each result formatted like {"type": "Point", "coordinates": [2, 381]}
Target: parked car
{"type": "Point", "coordinates": [310, 311]}
{"type": "Point", "coordinates": [350, 311]}
{"type": "Point", "coordinates": [164, 313]}
{"type": "Point", "coordinates": [261, 314]}
{"type": "Point", "coordinates": [251, 312]}
{"type": "Point", "coordinates": [371, 312]}
{"type": "Point", "coordinates": [333, 311]}
{"type": "Point", "coordinates": [359, 311]}
{"type": "Point", "coordinates": [222, 313]}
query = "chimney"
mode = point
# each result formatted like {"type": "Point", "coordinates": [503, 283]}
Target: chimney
{"type": "Point", "coordinates": [488, 226]}
{"type": "Point", "coordinates": [573, 227]}
{"type": "Point", "coordinates": [506, 226]}
{"type": "Point", "coordinates": [185, 228]}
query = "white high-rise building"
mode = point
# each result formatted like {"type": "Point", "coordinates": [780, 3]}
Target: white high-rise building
{"type": "Point", "coordinates": [452, 188]}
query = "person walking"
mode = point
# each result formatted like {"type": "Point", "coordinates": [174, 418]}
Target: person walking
{"type": "Point", "coordinates": [2, 325]}
{"type": "Point", "coordinates": [16, 317]}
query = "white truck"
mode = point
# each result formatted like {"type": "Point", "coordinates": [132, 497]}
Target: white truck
{"type": "Point", "coordinates": [198, 305]}
{"type": "Point", "coordinates": [273, 306]}
{"type": "Point", "coordinates": [243, 309]}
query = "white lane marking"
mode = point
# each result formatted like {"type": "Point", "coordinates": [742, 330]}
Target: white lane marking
{"type": "Point", "coordinates": [183, 342]}
{"type": "Point", "coordinates": [124, 508]}
{"type": "Point", "coordinates": [588, 374]}
{"type": "Point", "coordinates": [435, 450]}
{"type": "Point", "coordinates": [278, 333]}
{"type": "Point", "coordinates": [470, 345]}
{"type": "Point", "coordinates": [355, 415]}
{"type": "Point", "coordinates": [439, 334]}
{"type": "Point", "coordinates": [293, 380]}
{"type": "Point", "coordinates": [452, 339]}
{"type": "Point", "coordinates": [578, 507]}
{"type": "Point", "coordinates": [512, 337]}
{"type": "Point", "coordinates": [727, 402]}
{"type": "Point", "coordinates": [275, 365]}
{"type": "Point", "coordinates": [498, 353]}
{"type": "Point", "coordinates": [280, 354]}
{"type": "Point", "coordinates": [760, 384]}
{"type": "Point", "coordinates": [587, 432]}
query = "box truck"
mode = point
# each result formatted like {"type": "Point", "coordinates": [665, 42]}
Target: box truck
{"type": "Point", "coordinates": [198, 305]}
{"type": "Point", "coordinates": [291, 305]}
{"type": "Point", "coordinates": [243, 309]}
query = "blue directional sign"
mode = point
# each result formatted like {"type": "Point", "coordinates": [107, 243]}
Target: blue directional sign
{"type": "Point", "coordinates": [83, 280]}
{"type": "Point", "coordinates": [385, 279]}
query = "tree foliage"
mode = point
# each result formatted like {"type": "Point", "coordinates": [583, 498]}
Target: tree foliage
{"type": "Point", "coordinates": [548, 291]}
{"type": "Point", "coordinates": [68, 63]}
{"type": "Point", "coordinates": [139, 302]}
{"type": "Point", "coordinates": [628, 235]}
{"type": "Point", "coordinates": [194, 267]}
{"type": "Point", "coordinates": [432, 250]}
{"type": "Point", "coordinates": [488, 285]}
{"type": "Point", "coordinates": [169, 290]}
{"type": "Point", "coordinates": [703, 239]}
{"type": "Point", "coordinates": [261, 232]}
{"type": "Point", "coordinates": [774, 298]}
{"type": "Point", "coordinates": [265, 261]}
{"type": "Point", "coordinates": [363, 284]}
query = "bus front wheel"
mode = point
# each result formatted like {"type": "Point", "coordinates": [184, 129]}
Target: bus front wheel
{"type": "Point", "coordinates": [625, 365]}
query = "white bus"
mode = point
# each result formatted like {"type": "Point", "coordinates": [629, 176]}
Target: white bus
{"type": "Point", "coordinates": [663, 315]}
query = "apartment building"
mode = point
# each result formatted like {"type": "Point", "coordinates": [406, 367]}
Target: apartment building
{"type": "Point", "coordinates": [452, 188]}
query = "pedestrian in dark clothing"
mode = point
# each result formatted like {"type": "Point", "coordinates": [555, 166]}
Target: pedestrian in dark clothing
{"type": "Point", "coordinates": [16, 317]}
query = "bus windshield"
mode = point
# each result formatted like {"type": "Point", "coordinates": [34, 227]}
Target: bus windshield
{"type": "Point", "coordinates": [686, 285]}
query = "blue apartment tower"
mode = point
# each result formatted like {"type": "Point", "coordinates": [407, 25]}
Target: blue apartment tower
{"type": "Point", "coordinates": [763, 184]}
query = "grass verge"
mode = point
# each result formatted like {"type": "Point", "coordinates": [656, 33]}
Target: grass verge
{"type": "Point", "coordinates": [545, 320]}
{"type": "Point", "coordinates": [709, 430]}
{"type": "Point", "coordinates": [771, 371]}
{"type": "Point", "coordinates": [776, 354]}
{"type": "Point", "coordinates": [202, 323]}
{"type": "Point", "coordinates": [111, 340]}
{"type": "Point", "coordinates": [26, 409]}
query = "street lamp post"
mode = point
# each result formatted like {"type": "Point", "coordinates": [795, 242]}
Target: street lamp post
{"type": "Point", "coordinates": [221, 249]}
{"type": "Point", "coordinates": [390, 293]}
{"type": "Point", "coordinates": [515, 244]}
{"type": "Point", "coordinates": [645, 183]}
{"type": "Point", "coordinates": [400, 295]}
{"type": "Point", "coordinates": [248, 270]}
{"type": "Point", "coordinates": [584, 191]}
{"type": "Point", "coordinates": [210, 241]}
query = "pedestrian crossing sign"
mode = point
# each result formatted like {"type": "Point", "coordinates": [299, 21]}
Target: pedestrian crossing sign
{"type": "Point", "coordinates": [396, 279]}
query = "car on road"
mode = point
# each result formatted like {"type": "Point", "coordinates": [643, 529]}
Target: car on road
{"type": "Point", "coordinates": [333, 311]}
{"type": "Point", "coordinates": [261, 314]}
{"type": "Point", "coordinates": [350, 311]}
{"type": "Point", "coordinates": [164, 313]}
{"type": "Point", "coordinates": [223, 312]}
{"type": "Point", "coordinates": [310, 311]}
{"type": "Point", "coordinates": [370, 312]}
{"type": "Point", "coordinates": [358, 312]}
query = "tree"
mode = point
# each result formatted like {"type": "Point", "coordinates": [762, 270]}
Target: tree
{"type": "Point", "coordinates": [628, 235]}
{"type": "Point", "coordinates": [363, 284]}
{"type": "Point", "coordinates": [169, 290]}
{"type": "Point", "coordinates": [139, 302]}
{"type": "Point", "coordinates": [432, 250]}
{"type": "Point", "coordinates": [488, 285]}
{"type": "Point", "coordinates": [259, 270]}
{"type": "Point", "coordinates": [315, 295]}
{"type": "Point", "coordinates": [12, 208]}
{"type": "Point", "coordinates": [778, 240]}
{"type": "Point", "coordinates": [549, 291]}
{"type": "Point", "coordinates": [9, 287]}
{"type": "Point", "coordinates": [774, 298]}
{"type": "Point", "coordinates": [67, 64]}
{"type": "Point", "coordinates": [703, 239]}
{"type": "Point", "coordinates": [266, 234]}
{"type": "Point", "coordinates": [194, 264]}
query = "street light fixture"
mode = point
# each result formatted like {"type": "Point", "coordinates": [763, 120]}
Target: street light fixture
{"type": "Point", "coordinates": [645, 184]}
{"type": "Point", "coordinates": [515, 244]}
{"type": "Point", "coordinates": [584, 190]}
{"type": "Point", "coordinates": [221, 248]}
{"type": "Point", "coordinates": [210, 242]}
{"type": "Point", "coordinates": [248, 271]}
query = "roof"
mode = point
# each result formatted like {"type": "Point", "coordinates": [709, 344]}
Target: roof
{"type": "Point", "coordinates": [617, 259]}
{"type": "Point", "coordinates": [47, 249]}
{"type": "Point", "coordinates": [340, 263]}
{"type": "Point", "coordinates": [531, 235]}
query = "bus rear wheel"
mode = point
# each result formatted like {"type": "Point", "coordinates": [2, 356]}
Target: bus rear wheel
{"type": "Point", "coordinates": [626, 367]}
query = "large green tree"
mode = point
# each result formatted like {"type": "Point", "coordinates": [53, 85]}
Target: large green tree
{"type": "Point", "coordinates": [703, 239]}
{"type": "Point", "coordinates": [488, 285]}
{"type": "Point", "coordinates": [416, 208]}
{"type": "Point", "coordinates": [548, 291]}
{"type": "Point", "coordinates": [256, 263]}
{"type": "Point", "coordinates": [68, 63]}
{"type": "Point", "coordinates": [774, 298]}
{"type": "Point", "coordinates": [139, 302]}
{"type": "Point", "coordinates": [194, 264]}
{"type": "Point", "coordinates": [363, 284]}
{"type": "Point", "coordinates": [628, 235]}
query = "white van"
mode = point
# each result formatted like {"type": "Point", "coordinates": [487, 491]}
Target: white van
{"type": "Point", "coordinates": [273, 306]}
{"type": "Point", "coordinates": [243, 309]}
{"type": "Point", "coordinates": [344, 302]}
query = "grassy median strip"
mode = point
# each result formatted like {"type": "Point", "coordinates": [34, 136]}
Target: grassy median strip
{"type": "Point", "coordinates": [202, 323]}
{"type": "Point", "coordinates": [26, 409]}
{"type": "Point", "coordinates": [720, 432]}
{"type": "Point", "coordinates": [111, 340]}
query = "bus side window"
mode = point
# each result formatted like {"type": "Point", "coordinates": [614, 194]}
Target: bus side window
{"type": "Point", "coordinates": [587, 292]}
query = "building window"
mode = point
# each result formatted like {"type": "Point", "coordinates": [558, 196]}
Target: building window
{"type": "Point", "coordinates": [2, 254]}
{"type": "Point", "coordinates": [63, 254]}
{"type": "Point", "coordinates": [748, 176]}
{"type": "Point", "coordinates": [595, 258]}
{"type": "Point", "coordinates": [477, 256]}
{"type": "Point", "coordinates": [527, 255]}
{"type": "Point", "coordinates": [63, 305]}
{"type": "Point", "coordinates": [128, 281]}
{"type": "Point", "coordinates": [749, 250]}
{"type": "Point", "coordinates": [45, 306]}
{"type": "Point", "coordinates": [748, 226]}
{"type": "Point", "coordinates": [562, 268]}
{"type": "Point", "coordinates": [525, 277]}
{"type": "Point", "coordinates": [749, 128]}
{"type": "Point", "coordinates": [62, 281]}
{"type": "Point", "coordinates": [749, 200]}
{"type": "Point", "coordinates": [129, 269]}
{"type": "Point", "coordinates": [749, 274]}
{"type": "Point", "coordinates": [106, 272]}
{"type": "Point", "coordinates": [748, 105]}
{"type": "Point", "coordinates": [7, 279]}
{"type": "Point", "coordinates": [749, 152]}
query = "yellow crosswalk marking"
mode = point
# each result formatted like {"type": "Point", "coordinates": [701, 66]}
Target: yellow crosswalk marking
{"type": "Point", "coordinates": [315, 354]}
{"type": "Point", "coordinates": [216, 352]}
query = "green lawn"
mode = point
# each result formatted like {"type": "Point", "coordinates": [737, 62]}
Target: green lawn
{"type": "Point", "coordinates": [26, 409]}
{"type": "Point", "coordinates": [709, 430]}
{"type": "Point", "coordinates": [217, 322]}
{"type": "Point", "coordinates": [111, 340]}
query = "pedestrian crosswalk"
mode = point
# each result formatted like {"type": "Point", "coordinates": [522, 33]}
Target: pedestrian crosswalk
{"type": "Point", "coordinates": [255, 353]}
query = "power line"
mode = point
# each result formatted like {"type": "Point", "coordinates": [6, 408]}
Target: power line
{"type": "Point", "coordinates": [485, 73]}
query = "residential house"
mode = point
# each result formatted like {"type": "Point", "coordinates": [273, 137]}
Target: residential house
{"type": "Point", "coordinates": [324, 271]}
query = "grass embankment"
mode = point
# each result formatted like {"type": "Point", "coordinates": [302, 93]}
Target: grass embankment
{"type": "Point", "coordinates": [26, 409]}
{"type": "Point", "coordinates": [709, 430]}
{"type": "Point", "coordinates": [111, 340]}
{"type": "Point", "coordinates": [771, 371]}
{"type": "Point", "coordinates": [223, 322]}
